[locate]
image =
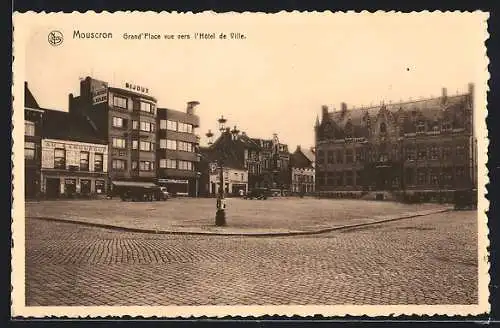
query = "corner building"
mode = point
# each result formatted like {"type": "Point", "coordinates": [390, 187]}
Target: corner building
{"type": "Point", "coordinates": [177, 151]}
{"type": "Point", "coordinates": [126, 118]}
{"type": "Point", "coordinates": [422, 149]}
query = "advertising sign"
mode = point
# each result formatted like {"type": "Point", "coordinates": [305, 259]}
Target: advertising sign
{"type": "Point", "coordinates": [99, 93]}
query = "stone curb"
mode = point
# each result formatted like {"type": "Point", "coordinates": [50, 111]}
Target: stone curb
{"type": "Point", "coordinates": [264, 234]}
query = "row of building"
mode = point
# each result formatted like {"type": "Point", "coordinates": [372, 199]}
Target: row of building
{"type": "Point", "coordinates": [112, 138]}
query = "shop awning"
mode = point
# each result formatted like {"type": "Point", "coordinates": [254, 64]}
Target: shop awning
{"type": "Point", "coordinates": [133, 184]}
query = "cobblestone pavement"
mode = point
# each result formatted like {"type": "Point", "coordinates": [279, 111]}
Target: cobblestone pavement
{"type": "Point", "coordinates": [425, 260]}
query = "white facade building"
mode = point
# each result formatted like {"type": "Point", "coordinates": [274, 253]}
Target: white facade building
{"type": "Point", "coordinates": [234, 181]}
{"type": "Point", "coordinates": [73, 168]}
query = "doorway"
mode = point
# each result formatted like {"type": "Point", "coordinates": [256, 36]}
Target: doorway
{"type": "Point", "coordinates": [52, 186]}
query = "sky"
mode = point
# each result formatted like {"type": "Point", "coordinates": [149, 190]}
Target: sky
{"type": "Point", "coordinates": [275, 80]}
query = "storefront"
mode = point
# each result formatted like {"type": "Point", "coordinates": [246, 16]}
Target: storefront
{"type": "Point", "coordinates": [60, 185]}
{"type": "Point", "coordinates": [178, 187]}
{"type": "Point", "coordinates": [73, 169]}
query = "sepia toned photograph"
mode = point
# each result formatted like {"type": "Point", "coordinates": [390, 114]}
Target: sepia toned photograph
{"type": "Point", "coordinates": [208, 164]}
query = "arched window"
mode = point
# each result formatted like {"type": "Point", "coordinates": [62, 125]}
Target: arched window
{"type": "Point", "coordinates": [383, 127]}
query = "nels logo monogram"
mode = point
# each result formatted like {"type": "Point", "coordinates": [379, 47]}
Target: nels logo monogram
{"type": "Point", "coordinates": [55, 38]}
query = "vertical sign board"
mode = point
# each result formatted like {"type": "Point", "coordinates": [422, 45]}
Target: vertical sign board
{"type": "Point", "coordinates": [99, 92]}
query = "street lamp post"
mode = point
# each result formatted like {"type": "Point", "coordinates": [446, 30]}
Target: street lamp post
{"type": "Point", "coordinates": [220, 214]}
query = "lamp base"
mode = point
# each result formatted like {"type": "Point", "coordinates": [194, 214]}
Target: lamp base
{"type": "Point", "coordinates": [220, 218]}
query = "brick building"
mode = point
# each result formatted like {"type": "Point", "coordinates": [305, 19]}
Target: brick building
{"type": "Point", "coordinates": [33, 116]}
{"type": "Point", "coordinates": [177, 151]}
{"type": "Point", "coordinates": [126, 118]}
{"type": "Point", "coordinates": [423, 148]}
{"type": "Point", "coordinates": [266, 160]}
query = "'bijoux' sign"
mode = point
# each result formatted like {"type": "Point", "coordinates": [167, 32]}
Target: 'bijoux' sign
{"type": "Point", "coordinates": [136, 88]}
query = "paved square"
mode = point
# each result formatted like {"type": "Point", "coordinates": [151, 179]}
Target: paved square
{"type": "Point", "coordinates": [424, 260]}
{"type": "Point", "coordinates": [278, 215]}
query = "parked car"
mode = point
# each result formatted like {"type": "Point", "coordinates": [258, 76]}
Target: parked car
{"type": "Point", "coordinates": [163, 194]}
{"type": "Point", "coordinates": [257, 193]}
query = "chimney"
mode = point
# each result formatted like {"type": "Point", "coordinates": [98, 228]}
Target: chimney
{"type": "Point", "coordinates": [444, 95]}
{"type": "Point", "coordinates": [190, 107]}
{"type": "Point", "coordinates": [298, 147]}
{"type": "Point", "coordinates": [324, 110]}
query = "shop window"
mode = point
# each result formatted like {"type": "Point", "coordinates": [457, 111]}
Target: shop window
{"type": "Point", "coordinates": [98, 162]}
{"type": "Point", "coordinates": [29, 150]}
{"type": "Point", "coordinates": [85, 186]}
{"type": "Point", "coordinates": [29, 128]}
{"type": "Point", "coordinates": [120, 102]}
{"type": "Point", "coordinates": [59, 158]}
{"type": "Point", "coordinates": [84, 161]}
{"type": "Point", "coordinates": [99, 186]}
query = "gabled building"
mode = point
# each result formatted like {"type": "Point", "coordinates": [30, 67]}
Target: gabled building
{"type": "Point", "coordinates": [425, 147]}
{"type": "Point", "coordinates": [302, 172]}
{"type": "Point", "coordinates": [74, 156]}
{"type": "Point", "coordinates": [33, 116]}
{"type": "Point", "coordinates": [274, 162]}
